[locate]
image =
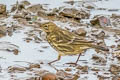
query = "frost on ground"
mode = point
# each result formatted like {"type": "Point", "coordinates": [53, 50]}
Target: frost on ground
{"type": "Point", "coordinates": [25, 53]}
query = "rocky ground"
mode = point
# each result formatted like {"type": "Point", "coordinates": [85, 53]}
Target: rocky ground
{"type": "Point", "coordinates": [25, 53]}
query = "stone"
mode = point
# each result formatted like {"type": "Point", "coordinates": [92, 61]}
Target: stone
{"type": "Point", "coordinates": [89, 5]}
{"type": "Point", "coordinates": [2, 8]}
{"type": "Point", "coordinates": [34, 66]}
{"type": "Point", "coordinates": [74, 13]}
{"type": "Point", "coordinates": [49, 76]}
{"type": "Point", "coordinates": [16, 51]}
{"type": "Point", "coordinates": [115, 16]}
{"type": "Point", "coordinates": [101, 21]}
{"type": "Point", "coordinates": [71, 2]}
{"type": "Point", "coordinates": [98, 59]}
{"type": "Point", "coordinates": [101, 35]}
{"type": "Point", "coordinates": [82, 68]}
{"type": "Point", "coordinates": [113, 10]}
{"type": "Point", "coordinates": [3, 31]}
{"type": "Point", "coordinates": [116, 78]}
{"type": "Point", "coordinates": [13, 8]}
{"type": "Point", "coordinates": [114, 69]}
{"type": "Point", "coordinates": [80, 32]}
{"type": "Point", "coordinates": [18, 7]}
{"type": "Point", "coordinates": [63, 74]}
{"type": "Point", "coordinates": [35, 8]}
{"type": "Point", "coordinates": [10, 31]}
{"type": "Point", "coordinates": [16, 69]}
{"type": "Point", "coordinates": [25, 2]}
{"type": "Point", "coordinates": [68, 69]}
{"type": "Point", "coordinates": [41, 13]}
{"type": "Point", "coordinates": [18, 16]}
{"type": "Point", "coordinates": [28, 39]}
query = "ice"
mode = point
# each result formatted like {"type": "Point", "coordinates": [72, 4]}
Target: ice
{"type": "Point", "coordinates": [29, 52]}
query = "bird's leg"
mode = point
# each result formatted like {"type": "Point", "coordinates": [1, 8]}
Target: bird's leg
{"type": "Point", "coordinates": [59, 57]}
{"type": "Point", "coordinates": [76, 60]}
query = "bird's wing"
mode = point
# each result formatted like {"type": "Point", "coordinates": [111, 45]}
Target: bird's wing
{"type": "Point", "coordinates": [80, 41]}
{"type": "Point", "coordinates": [65, 48]}
{"type": "Point", "coordinates": [66, 37]}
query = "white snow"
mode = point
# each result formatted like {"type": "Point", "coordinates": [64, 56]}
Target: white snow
{"type": "Point", "coordinates": [29, 52]}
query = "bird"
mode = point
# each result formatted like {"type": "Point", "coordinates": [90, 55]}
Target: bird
{"type": "Point", "coordinates": [66, 42]}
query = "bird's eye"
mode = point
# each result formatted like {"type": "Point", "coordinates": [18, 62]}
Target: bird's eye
{"type": "Point", "coordinates": [46, 27]}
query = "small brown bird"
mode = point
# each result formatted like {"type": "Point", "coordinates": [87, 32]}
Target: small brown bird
{"type": "Point", "coordinates": [65, 42]}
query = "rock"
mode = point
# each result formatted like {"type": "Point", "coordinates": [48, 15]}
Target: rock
{"type": "Point", "coordinates": [116, 78]}
{"type": "Point", "coordinates": [18, 7]}
{"type": "Point", "coordinates": [51, 14]}
{"type": "Point", "coordinates": [25, 2]}
{"type": "Point", "coordinates": [35, 8]}
{"type": "Point", "coordinates": [117, 53]}
{"type": "Point", "coordinates": [98, 34]}
{"type": "Point", "coordinates": [28, 39]}
{"type": "Point", "coordinates": [101, 8]}
{"type": "Point", "coordinates": [13, 8]}
{"type": "Point", "coordinates": [82, 68]}
{"type": "Point", "coordinates": [114, 69]}
{"type": "Point", "coordinates": [80, 32]}
{"type": "Point", "coordinates": [115, 16]}
{"type": "Point", "coordinates": [101, 21]}
{"type": "Point", "coordinates": [9, 47]}
{"type": "Point", "coordinates": [34, 66]}
{"type": "Point", "coordinates": [71, 2]}
{"type": "Point", "coordinates": [2, 9]}
{"type": "Point", "coordinates": [18, 16]}
{"type": "Point", "coordinates": [10, 31]}
{"type": "Point", "coordinates": [64, 75]}
{"type": "Point", "coordinates": [16, 69]}
{"type": "Point", "coordinates": [95, 69]}
{"type": "Point", "coordinates": [28, 17]}
{"type": "Point", "coordinates": [74, 13]}
{"type": "Point", "coordinates": [113, 9]}
{"type": "Point", "coordinates": [115, 19]}
{"type": "Point", "coordinates": [44, 47]}
{"type": "Point", "coordinates": [49, 76]}
{"type": "Point", "coordinates": [15, 51]}
{"type": "Point", "coordinates": [41, 13]}
{"type": "Point", "coordinates": [39, 72]}
{"type": "Point", "coordinates": [3, 31]}
{"type": "Point", "coordinates": [101, 35]}
{"type": "Point", "coordinates": [118, 58]}
{"type": "Point", "coordinates": [89, 5]}
{"type": "Point", "coordinates": [98, 59]}
{"type": "Point", "coordinates": [68, 69]}
{"type": "Point", "coordinates": [102, 77]}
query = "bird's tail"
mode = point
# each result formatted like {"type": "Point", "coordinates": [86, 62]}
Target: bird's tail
{"type": "Point", "coordinates": [100, 48]}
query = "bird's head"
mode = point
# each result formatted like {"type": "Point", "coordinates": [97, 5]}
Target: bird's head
{"type": "Point", "coordinates": [48, 27]}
